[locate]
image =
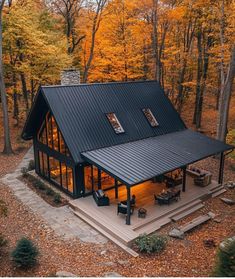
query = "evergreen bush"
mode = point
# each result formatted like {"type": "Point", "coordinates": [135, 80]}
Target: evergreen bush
{"type": "Point", "coordinates": [31, 165]}
{"type": "Point", "coordinates": [225, 266]}
{"type": "Point", "coordinates": [25, 254]}
{"type": "Point", "coordinates": [151, 244]}
{"type": "Point", "coordinates": [50, 192]}
{"type": "Point", "coordinates": [24, 172]}
{"type": "Point", "coordinates": [57, 198]}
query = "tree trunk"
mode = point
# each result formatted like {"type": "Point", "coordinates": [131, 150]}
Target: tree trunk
{"type": "Point", "coordinates": [155, 41]}
{"type": "Point", "coordinates": [225, 97]}
{"type": "Point", "coordinates": [199, 76]}
{"type": "Point", "coordinates": [7, 141]}
{"type": "Point", "coordinates": [95, 27]}
{"type": "Point", "coordinates": [25, 92]}
{"type": "Point", "coordinates": [15, 100]}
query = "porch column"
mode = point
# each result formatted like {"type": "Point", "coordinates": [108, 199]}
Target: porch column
{"type": "Point", "coordinates": [116, 189]}
{"type": "Point", "coordinates": [128, 216]}
{"type": "Point", "coordinates": [184, 179]}
{"type": "Point", "coordinates": [221, 168]}
{"type": "Point", "coordinates": [99, 179]}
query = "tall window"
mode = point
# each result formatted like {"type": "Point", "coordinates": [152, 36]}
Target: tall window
{"type": "Point", "coordinates": [57, 171]}
{"type": "Point", "coordinates": [150, 117]}
{"type": "Point", "coordinates": [115, 123]}
{"type": "Point", "coordinates": [50, 135]}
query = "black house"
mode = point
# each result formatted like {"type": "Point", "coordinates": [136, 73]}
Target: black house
{"type": "Point", "coordinates": [97, 136]}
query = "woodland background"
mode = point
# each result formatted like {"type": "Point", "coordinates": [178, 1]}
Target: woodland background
{"type": "Point", "coordinates": [188, 46]}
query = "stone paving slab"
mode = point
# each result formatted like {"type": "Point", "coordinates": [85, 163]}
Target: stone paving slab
{"type": "Point", "coordinates": [60, 219]}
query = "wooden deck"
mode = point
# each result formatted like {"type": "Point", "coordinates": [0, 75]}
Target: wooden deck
{"type": "Point", "coordinates": [106, 220]}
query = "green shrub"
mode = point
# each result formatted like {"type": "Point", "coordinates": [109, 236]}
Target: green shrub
{"type": "Point", "coordinates": [25, 254]}
{"type": "Point", "coordinates": [50, 192]}
{"type": "Point", "coordinates": [151, 244]}
{"type": "Point", "coordinates": [24, 172]}
{"type": "Point", "coordinates": [57, 198]}
{"type": "Point", "coordinates": [31, 165]}
{"type": "Point", "coordinates": [3, 208]}
{"type": "Point", "coordinates": [225, 266]}
{"type": "Point", "coordinates": [38, 184]}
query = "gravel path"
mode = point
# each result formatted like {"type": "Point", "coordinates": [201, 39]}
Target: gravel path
{"type": "Point", "coordinates": [62, 220]}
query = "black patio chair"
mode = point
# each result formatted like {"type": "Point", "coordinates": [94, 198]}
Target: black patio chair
{"type": "Point", "coordinates": [162, 199]}
{"type": "Point", "coordinates": [122, 208]}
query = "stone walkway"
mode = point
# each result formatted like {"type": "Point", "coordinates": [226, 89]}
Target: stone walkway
{"type": "Point", "coordinates": [60, 219]}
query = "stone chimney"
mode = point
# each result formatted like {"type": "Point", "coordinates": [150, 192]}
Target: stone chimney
{"type": "Point", "coordinates": [70, 77]}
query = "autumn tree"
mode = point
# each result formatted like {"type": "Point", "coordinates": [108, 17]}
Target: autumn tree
{"type": "Point", "coordinates": [7, 141]}
{"type": "Point", "coordinates": [70, 11]}
{"type": "Point", "coordinates": [95, 11]}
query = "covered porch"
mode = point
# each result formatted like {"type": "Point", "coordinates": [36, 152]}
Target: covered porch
{"type": "Point", "coordinates": [136, 164]}
{"type": "Point", "coordinates": [106, 220]}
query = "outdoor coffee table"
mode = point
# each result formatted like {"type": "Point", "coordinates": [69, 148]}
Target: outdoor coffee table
{"type": "Point", "coordinates": [142, 212]}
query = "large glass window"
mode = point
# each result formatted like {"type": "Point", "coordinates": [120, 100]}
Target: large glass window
{"type": "Point", "coordinates": [115, 123]}
{"type": "Point", "coordinates": [43, 163]}
{"type": "Point", "coordinates": [61, 174]}
{"type": "Point", "coordinates": [150, 117]}
{"type": "Point", "coordinates": [55, 172]}
{"type": "Point", "coordinates": [50, 135]}
{"type": "Point", "coordinates": [92, 176]}
{"type": "Point", "coordinates": [64, 176]}
{"type": "Point", "coordinates": [70, 179]}
{"type": "Point", "coordinates": [106, 180]}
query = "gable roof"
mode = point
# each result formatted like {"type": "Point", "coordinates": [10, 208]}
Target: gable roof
{"type": "Point", "coordinates": [80, 113]}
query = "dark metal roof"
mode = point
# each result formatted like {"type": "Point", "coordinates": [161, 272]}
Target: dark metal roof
{"type": "Point", "coordinates": [141, 160]}
{"type": "Point", "coordinates": [80, 113]}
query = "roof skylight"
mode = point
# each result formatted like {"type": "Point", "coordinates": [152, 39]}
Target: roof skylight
{"type": "Point", "coordinates": [150, 117]}
{"type": "Point", "coordinates": [115, 123]}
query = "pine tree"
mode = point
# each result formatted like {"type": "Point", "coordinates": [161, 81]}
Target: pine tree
{"type": "Point", "coordinates": [226, 261]}
{"type": "Point", "coordinates": [25, 254]}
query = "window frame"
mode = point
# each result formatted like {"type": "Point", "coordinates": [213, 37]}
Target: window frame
{"type": "Point", "coordinates": [122, 131]}
{"type": "Point", "coordinates": [148, 110]}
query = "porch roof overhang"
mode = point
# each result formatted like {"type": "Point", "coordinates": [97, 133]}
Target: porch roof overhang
{"type": "Point", "coordinates": [138, 161]}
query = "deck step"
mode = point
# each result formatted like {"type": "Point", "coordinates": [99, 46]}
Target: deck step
{"type": "Point", "coordinates": [194, 223]}
{"type": "Point", "coordinates": [106, 234]}
{"type": "Point", "coordinates": [185, 213]}
{"type": "Point", "coordinates": [168, 212]}
{"type": "Point", "coordinates": [157, 224]}
{"type": "Point", "coordinates": [217, 193]}
{"type": "Point", "coordinates": [91, 217]}
{"type": "Point", "coordinates": [154, 226]}
{"type": "Point", "coordinates": [216, 188]}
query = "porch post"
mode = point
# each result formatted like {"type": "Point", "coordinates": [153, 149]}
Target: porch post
{"type": "Point", "coordinates": [128, 216]}
{"type": "Point", "coordinates": [99, 179]}
{"type": "Point", "coordinates": [184, 179]}
{"type": "Point", "coordinates": [221, 168]}
{"type": "Point", "coordinates": [116, 189]}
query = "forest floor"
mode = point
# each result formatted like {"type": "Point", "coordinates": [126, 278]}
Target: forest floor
{"type": "Point", "coordinates": [186, 257]}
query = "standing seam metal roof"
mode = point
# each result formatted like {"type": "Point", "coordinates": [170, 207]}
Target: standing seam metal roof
{"type": "Point", "coordinates": [141, 160]}
{"type": "Point", "coordinates": [80, 114]}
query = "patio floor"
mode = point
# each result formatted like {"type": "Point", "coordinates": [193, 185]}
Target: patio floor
{"type": "Point", "coordinates": [106, 220]}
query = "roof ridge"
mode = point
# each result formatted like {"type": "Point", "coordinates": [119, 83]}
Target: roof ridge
{"type": "Point", "coordinates": [100, 83]}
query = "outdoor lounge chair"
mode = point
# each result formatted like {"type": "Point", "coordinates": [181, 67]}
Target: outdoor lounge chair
{"type": "Point", "coordinates": [100, 198]}
{"type": "Point", "coordinates": [122, 208]}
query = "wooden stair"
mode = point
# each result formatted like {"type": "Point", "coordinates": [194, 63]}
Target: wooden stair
{"type": "Point", "coordinates": [216, 191]}
{"type": "Point", "coordinates": [194, 223]}
{"type": "Point", "coordinates": [105, 233]}
{"type": "Point", "coordinates": [186, 212]}
{"type": "Point", "coordinates": [89, 215]}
